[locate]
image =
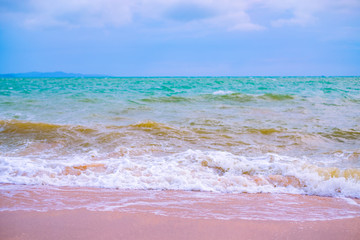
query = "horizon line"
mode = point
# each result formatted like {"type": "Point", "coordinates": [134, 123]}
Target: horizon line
{"type": "Point", "coordinates": [85, 75]}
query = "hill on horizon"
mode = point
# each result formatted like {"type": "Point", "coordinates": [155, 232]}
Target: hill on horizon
{"type": "Point", "coordinates": [58, 74]}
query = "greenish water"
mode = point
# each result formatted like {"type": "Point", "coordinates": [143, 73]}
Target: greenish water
{"type": "Point", "coordinates": [203, 129]}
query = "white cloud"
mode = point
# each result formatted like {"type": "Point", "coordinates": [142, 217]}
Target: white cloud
{"type": "Point", "coordinates": [226, 14]}
{"type": "Point", "coordinates": [234, 20]}
{"type": "Point", "coordinates": [77, 13]}
{"type": "Point", "coordinates": [299, 18]}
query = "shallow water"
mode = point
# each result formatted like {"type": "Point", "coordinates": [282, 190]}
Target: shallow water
{"type": "Point", "coordinates": [298, 135]}
{"type": "Point", "coordinates": [183, 204]}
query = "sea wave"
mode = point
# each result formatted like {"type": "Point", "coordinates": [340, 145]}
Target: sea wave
{"type": "Point", "coordinates": [281, 135]}
{"type": "Point", "coordinates": [343, 134]}
{"type": "Point", "coordinates": [220, 96]}
{"type": "Point", "coordinates": [195, 170]}
{"type": "Point", "coordinates": [37, 138]}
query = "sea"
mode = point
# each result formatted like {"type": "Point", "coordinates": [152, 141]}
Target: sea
{"type": "Point", "coordinates": [209, 137]}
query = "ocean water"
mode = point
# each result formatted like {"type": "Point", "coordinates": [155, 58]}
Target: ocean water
{"type": "Point", "coordinates": [298, 135]}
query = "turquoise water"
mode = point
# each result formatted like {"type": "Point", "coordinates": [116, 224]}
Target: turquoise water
{"type": "Point", "coordinates": [223, 134]}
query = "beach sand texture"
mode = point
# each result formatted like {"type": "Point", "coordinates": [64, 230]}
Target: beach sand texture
{"type": "Point", "coordinates": [83, 224]}
{"type": "Point", "coordinates": [174, 215]}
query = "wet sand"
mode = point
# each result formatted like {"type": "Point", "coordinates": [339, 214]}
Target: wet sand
{"type": "Point", "coordinates": [44, 212]}
{"type": "Point", "coordinates": [84, 224]}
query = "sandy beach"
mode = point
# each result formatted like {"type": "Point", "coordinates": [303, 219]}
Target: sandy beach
{"type": "Point", "coordinates": [84, 224]}
{"type": "Point", "coordinates": [34, 212]}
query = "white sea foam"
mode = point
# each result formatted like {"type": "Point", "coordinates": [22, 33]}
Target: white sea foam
{"type": "Point", "coordinates": [221, 92]}
{"type": "Point", "coordinates": [185, 204]}
{"type": "Point", "coordinates": [212, 171]}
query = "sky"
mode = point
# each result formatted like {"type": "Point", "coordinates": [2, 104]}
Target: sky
{"type": "Point", "coordinates": [181, 37]}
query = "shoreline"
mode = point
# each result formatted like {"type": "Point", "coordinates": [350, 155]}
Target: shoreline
{"type": "Point", "coordinates": [178, 203]}
{"type": "Point", "coordinates": [85, 224]}
{"type": "Point", "coordinates": [45, 212]}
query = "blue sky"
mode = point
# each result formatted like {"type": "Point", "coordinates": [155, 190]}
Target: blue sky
{"type": "Point", "coordinates": [188, 37]}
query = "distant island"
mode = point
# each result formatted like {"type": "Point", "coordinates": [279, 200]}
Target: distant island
{"type": "Point", "coordinates": [49, 74]}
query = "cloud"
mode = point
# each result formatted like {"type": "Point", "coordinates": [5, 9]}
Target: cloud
{"type": "Point", "coordinates": [226, 14]}
{"type": "Point", "coordinates": [235, 20]}
{"type": "Point", "coordinates": [305, 12]}
{"type": "Point", "coordinates": [79, 13]}
{"type": "Point", "coordinates": [299, 18]}
{"type": "Point", "coordinates": [189, 12]}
